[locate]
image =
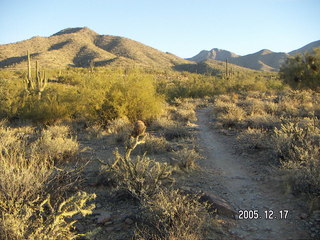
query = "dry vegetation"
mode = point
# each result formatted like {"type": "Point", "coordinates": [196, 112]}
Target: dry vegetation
{"type": "Point", "coordinates": [37, 200]}
{"type": "Point", "coordinates": [285, 125]}
{"type": "Point", "coordinates": [41, 195]}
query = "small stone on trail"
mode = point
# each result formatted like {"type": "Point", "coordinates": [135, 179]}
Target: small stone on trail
{"type": "Point", "coordinates": [110, 229]}
{"type": "Point", "coordinates": [104, 217]}
{"type": "Point", "coordinates": [79, 227]}
{"type": "Point", "coordinates": [303, 215]}
{"type": "Point", "coordinates": [128, 221]}
{"type": "Point", "coordinates": [98, 205]}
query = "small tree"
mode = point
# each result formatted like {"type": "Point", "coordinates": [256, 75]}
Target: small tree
{"type": "Point", "coordinates": [302, 71]}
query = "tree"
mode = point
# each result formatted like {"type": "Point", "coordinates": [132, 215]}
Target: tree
{"type": "Point", "coordinates": [302, 71]}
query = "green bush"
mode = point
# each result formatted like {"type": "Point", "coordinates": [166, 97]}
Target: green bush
{"type": "Point", "coordinates": [302, 71]}
{"type": "Point", "coordinates": [134, 97]}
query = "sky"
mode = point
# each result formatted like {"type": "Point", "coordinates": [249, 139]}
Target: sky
{"type": "Point", "coordinates": [181, 27]}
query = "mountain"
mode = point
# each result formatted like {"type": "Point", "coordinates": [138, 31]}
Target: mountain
{"type": "Point", "coordinates": [79, 47]}
{"type": "Point", "coordinates": [307, 48]}
{"type": "Point", "coordinates": [210, 67]}
{"type": "Point", "coordinates": [215, 54]}
{"type": "Point", "coordinates": [264, 60]}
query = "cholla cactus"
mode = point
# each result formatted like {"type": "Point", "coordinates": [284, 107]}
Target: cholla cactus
{"type": "Point", "coordinates": [35, 85]}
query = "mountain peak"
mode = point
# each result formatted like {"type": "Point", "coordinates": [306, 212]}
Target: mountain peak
{"type": "Point", "coordinates": [215, 54]}
{"type": "Point", "coordinates": [75, 30]}
{"type": "Point", "coordinates": [264, 52]}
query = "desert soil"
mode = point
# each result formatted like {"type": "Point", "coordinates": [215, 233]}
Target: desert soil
{"type": "Point", "coordinates": [246, 185]}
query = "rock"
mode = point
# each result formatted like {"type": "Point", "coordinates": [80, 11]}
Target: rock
{"type": "Point", "coordinates": [79, 227]}
{"type": "Point", "coordinates": [110, 229]}
{"type": "Point", "coordinates": [77, 217]}
{"type": "Point", "coordinates": [108, 223]}
{"type": "Point", "coordinates": [123, 195]}
{"type": "Point", "coordinates": [175, 148]}
{"type": "Point", "coordinates": [303, 216]}
{"type": "Point", "coordinates": [98, 205]}
{"type": "Point", "coordinates": [129, 221]}
{"type": "Point", "coordinates": [103, 217]}
{"type": "Point", "coordinates": [193, 128]}
{"type": "Point", "coordinates": [218, 204]}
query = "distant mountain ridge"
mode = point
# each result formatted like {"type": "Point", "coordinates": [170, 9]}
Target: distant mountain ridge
{"type": "Point", "coordinates": [79, 47]}
{"type": "Point", "coordinates": [264, 60]}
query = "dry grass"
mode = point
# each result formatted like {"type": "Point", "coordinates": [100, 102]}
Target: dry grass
{"type": "Point", "coordinates": [176, 131]}
{"type": "Point", "coordinates": [286, 124]}
{"type": "Point", "coordinates": [186, 159]}
{"type": "Point", "coordinates": [57, 144]}
{"type": "Point", "coordinates": [27, 208]}
{"type": "Point", "coordinates": [141, 176]}
{"type": "Point", "coordinates": [154, 145]}
{"type": "Point", "coordinates": [120, 128]}
{"type": "Point", "coordinates": [172, 215]}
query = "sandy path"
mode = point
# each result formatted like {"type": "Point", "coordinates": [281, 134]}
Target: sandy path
{"type": "Point", "coordinates": [245, 189]}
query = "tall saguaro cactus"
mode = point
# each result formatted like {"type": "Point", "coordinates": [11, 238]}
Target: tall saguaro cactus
{"type": "Point", "coordinates": [35, 86]}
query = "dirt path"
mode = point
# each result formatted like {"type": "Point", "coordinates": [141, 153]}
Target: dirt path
{"type": "Point", "coordinates": [244, 185]}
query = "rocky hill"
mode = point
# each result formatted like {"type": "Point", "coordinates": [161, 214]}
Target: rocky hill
{"type": "Point", "coordinates": [78, 47]}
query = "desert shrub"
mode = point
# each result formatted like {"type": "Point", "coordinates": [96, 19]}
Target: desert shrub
{"type": "Point", "coordinates": [232, 117]}
{"type": "Point", "coordinates": [154, 145]}
{"type": "Point", "coordinates": [270, 107]}
{"type": "Point", "coordinates": [142, 176]}
{"type": "Point", "coordinates": [56, 104]}
{"type": "Point", "coordinates": [172, 215]}
{"type": "Point", "coordinates": [298, 149]}
{"type": "Point", "coordinates": [186, 159]}
{"type": "Point", "coordinates": [134, 97]}
{"type": "Point", "coordinates": [94, 130]}
{"type": "Point", "coordinates": [9, 93]}
{"type": "Point", "coordinates": [117, 125]}
{"type": "Point", "coordinates": [120, 128]}
{"type": "Point", "coordinates": [183, 110]}
{"type": "Point", "coordinates": [176, 131]}
{"type": "Point", "coordinates": [56, 143]}
{"type": "Point", "coordinates": [297, 144]}
{"type": "Point", "coordinates": [254, 138]}
{"type": "Point", "coordinates": [39, 219]}
{"type": "Point", "coordinates": [221, 106]}
{"type": "Point", "coordinates": [266, 122]}
{"type": "Point", "coordinates": [302, 71]}
{"type": "Point", "coordinates": [20, 179]}
{"type": "Point", "coordinates": [185, 115]}
{"type": "Point", "coordinates": [252, 106]}
{"type": "Point", "coordinates": [26, 207]}
{"type": "Point", "coordinates": [287, 109]}
{"type": "Point", "coordinates": [161, 123]}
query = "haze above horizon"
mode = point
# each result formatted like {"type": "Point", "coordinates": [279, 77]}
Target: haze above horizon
{"type": "Point", "coordinates": [181, 27]}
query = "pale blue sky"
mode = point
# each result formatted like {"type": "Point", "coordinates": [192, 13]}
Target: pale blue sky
{"type": "Point", "coordinates": [182, 27]}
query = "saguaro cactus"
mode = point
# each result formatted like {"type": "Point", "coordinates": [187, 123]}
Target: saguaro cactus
{"type": "Point", "coordinates": [35, 86]}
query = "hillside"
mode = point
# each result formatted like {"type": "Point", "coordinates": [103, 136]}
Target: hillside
{"type": "Point", "coordinates": [307, 48]}
{"type": "Point", "coordinates": [264, 60]}
{"type": "Point", "coordinates": [210, 67]}
{"type": "Point", "coordinates": [77, 47]}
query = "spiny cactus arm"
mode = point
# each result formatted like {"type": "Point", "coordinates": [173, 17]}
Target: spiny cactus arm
{"type": "Point", "coordinates": [28, 80]}
{"type": "Point", "coordinates": [41, 79]}
{"type": "Point", "coordinates": [29, 65]}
